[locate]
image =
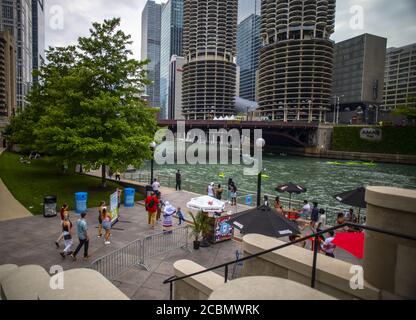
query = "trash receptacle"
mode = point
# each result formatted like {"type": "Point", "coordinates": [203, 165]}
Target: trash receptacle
{"type": "Point", "coordinates": [81, 199]}
{"type": "Point", "coordinates": [129, 194]}
{"type": "Point", "coordinates": [149, 190]}
{"type": "Point", "coordinates": [49, 206]}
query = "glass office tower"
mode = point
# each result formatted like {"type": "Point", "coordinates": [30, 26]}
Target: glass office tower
{"type": "Point", "coordinates": [170, 45]}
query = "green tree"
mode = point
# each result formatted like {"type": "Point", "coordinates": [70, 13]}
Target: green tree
{"type": "Point", "coordinates": [408, 110]}
{"type": "Point", "coordinates": [88, 106]}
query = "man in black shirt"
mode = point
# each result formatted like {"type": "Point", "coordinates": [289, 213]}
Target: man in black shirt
{"type": "Point", "coordinates": [178, 180]}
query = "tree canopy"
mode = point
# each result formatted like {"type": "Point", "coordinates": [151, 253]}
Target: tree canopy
{"type": "Point", "coordinates": [408, 110]}
{"type": "Point", "coordinates": [86, 107]}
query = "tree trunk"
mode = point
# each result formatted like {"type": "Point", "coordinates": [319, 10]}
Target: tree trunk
{"type": "Point", "coordinates": [103, 176]}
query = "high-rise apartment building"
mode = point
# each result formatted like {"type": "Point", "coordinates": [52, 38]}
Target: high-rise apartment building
{"type": "Point", "coordinates": [358, 74]}
{"type": "Point", "coordinates": [16, 17]}
{"type": "Point", "coordinates": [175, 88]}
{"type": "Point", "coordinates": [38, 34]}
{"type": "Point", "coordinates": [296, 59]}
{"type": "Point", "coordinates": [7, 79]}
{"type": "Point", "coordinates": [209, 44]}
{"type": "Point", "coordinates": [248, 55]}
{"type": "Point", "coordinates": [400, 76]}
{"type": "Point", "coordinates": [170, 45]}
{"type": "Point", "coordinates": [150, 41]}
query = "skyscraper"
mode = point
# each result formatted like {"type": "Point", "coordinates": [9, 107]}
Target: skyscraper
{"type": "Point", "coordinates": [400, 76]}
{"type": "Point", "coordinates": [209, 78]}
{"type": "Point", "coordinates": [151, 49]}
{"type": "Point", "coordinates": [358, 74]}
{"type": "Point", "coordinates": [296, 60]}
{"type": "Point", "coordinates": [7, 80]}
{"type": "Point", "coordinates": [248, 55]}
{"type": "Point", "coordinates": [248, 7]}
{"type": "Point", "coordinates": [38, 34]}
{"type": "Point", "coordinates": [170, 44]}
{"type": "Point", "coordinates": [175, 88]}
{"type": "Point", "coordinates": [16, 17]}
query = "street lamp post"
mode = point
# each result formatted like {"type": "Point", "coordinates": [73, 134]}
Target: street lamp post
{"type": "Point", "coordinates": [152, 146]}
{"type": "Point", "coordinates": [260, 143]}
{"type": "Point", "coordinates": [310, 111]}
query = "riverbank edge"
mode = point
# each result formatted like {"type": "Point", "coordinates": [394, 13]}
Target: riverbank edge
{"type": "Point", "coordinates": [347, 155]}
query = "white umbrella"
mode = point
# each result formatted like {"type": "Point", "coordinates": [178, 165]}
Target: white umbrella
{"type": "Point", "coordinates": [206, 204]}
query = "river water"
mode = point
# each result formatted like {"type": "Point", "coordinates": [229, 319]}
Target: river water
{"type": "Point", "coordinates": [321, 177]}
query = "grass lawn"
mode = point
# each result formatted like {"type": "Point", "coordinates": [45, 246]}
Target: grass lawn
{"type": "Point", "coordinates": [29, 183]}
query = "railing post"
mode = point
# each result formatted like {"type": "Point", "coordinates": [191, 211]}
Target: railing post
{"type": "Point", "coordinates": [315, 257]}
{"type": "Point", "coordinates": [226, 274]}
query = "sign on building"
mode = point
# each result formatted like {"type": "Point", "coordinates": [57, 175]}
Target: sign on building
{"type": "Point", "coordinates": [372, 134]}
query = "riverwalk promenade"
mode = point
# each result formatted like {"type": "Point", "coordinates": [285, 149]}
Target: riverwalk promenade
{"type": "Point", "coordinates": [10, 208]}
{"type": "Point", "coordinates": [30, 240]}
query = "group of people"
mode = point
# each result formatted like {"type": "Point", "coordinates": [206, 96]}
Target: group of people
{"type": "Point", "coordinates": [67, 234]}
{"type": "Point", "coordinates": [218, 191]}
{"type": "Point", "coordinates": [155, 206]}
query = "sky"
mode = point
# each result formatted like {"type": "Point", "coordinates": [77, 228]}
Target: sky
{"type": "Point", "coordinates": [66, 20]}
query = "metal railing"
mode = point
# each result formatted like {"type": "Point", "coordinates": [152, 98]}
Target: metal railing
{"type": "Point", "coordinates": [138, 252]}
{"type": "Point", "coordinates": [316, 242]}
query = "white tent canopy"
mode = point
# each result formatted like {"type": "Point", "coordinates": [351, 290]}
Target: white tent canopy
{"type": "Point", "coordinates": [206, 204]}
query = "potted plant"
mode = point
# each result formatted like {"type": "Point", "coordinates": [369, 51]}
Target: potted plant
{"type": "Point", "coordinates": [199, 227]}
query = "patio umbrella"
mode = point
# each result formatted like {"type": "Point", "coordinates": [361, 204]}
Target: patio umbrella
{"type": "Point", "coordinates": [206, 204]}
{"type": "Point", "coordinates": [353, 242]}
{"type": "Point", "coordinates": [353, 198]}
{"type": "Point", "coordinates": [263, 220]}
{"type": "Point", "coordinates": [291, 188]}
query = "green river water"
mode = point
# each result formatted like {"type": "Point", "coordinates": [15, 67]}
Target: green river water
{"type": "Point", "coordinates": [319, 176]}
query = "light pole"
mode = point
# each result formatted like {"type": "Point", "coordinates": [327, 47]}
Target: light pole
{"type": "Point", "coordinates": [260, 143]}
{"type": "Point", "coordinates": [152, 146]}
{"type": "Point", "coordinates": [338, 106]}
{"type": "Point", "coordinates": [310, 111]}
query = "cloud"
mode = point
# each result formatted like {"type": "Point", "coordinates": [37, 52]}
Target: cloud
{"type": "Point", "coordinates": [392, 19]}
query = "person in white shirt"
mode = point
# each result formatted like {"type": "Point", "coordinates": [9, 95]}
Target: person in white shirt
{"type": "Point", "coordinates": [327, 246]}
{"type": "Point", "coordinates": [321, 221]}
{"type": "Point", "coordinates": [156, 186]}
{"type": "Point", "coordinates": [211, 191]}
{"type": "Point", "coordinates": [306, 210]}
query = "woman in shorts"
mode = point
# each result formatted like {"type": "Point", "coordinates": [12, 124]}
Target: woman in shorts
{"type": "Point", "coordinates": [106, 218]}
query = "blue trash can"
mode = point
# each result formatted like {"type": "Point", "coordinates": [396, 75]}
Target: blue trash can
{"type": "Point", "coordinates": [81, 199]}
{"type": "Point", "coordinates": [129, 194]}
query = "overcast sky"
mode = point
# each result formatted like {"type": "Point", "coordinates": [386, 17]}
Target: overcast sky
{"type": "Point", "coordinates": [394, 20]}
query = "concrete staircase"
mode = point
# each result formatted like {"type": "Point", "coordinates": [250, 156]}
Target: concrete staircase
{"type": "Point", "coordinates": [32, 282]}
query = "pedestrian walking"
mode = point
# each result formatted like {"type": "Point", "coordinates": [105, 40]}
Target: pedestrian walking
{"type": "Point", "coordinates": [218, 192]}
{"type": "Point", "coordinates": [178, 180]}
{"type": "Point", "coordinates": [156, 186]}
{"type": "Point", "coordinates": [67, 234]}
{"type": "Point", "coordinates": [106, 218]}
{"type": "Point", "coordinates": [118, 175]}
{"type": "Point", "coordinates": [100, 220]}
{"type": "Point", "coordinates": [151, 204]}
{"type": "Point", "coordinates": [229, 184]}
{"type": "Point", "coordinates": [160, 206]}
{"type": "Point", "coordinates": [314, 215]}
{"type": "Point", "coordinates": [119, 197]}
{"type": "Point", "coordinates": [62, 212]}
{"type": "Point", "coordinates": [84, 240]}
{"type": "Point", "coordinates": [168, 212]}
{"type": "Point", "coordinates": [266, 201]}
{"type": "Point", "coordinates": [180, 216]}
{"type": "Point", "coordinates": [233, 194]}
{"type": "Point", "coordinates": [210, 190]}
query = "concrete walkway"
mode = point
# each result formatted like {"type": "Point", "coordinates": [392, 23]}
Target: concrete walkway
{"type": "Point", "coordinates": [10, 208]}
